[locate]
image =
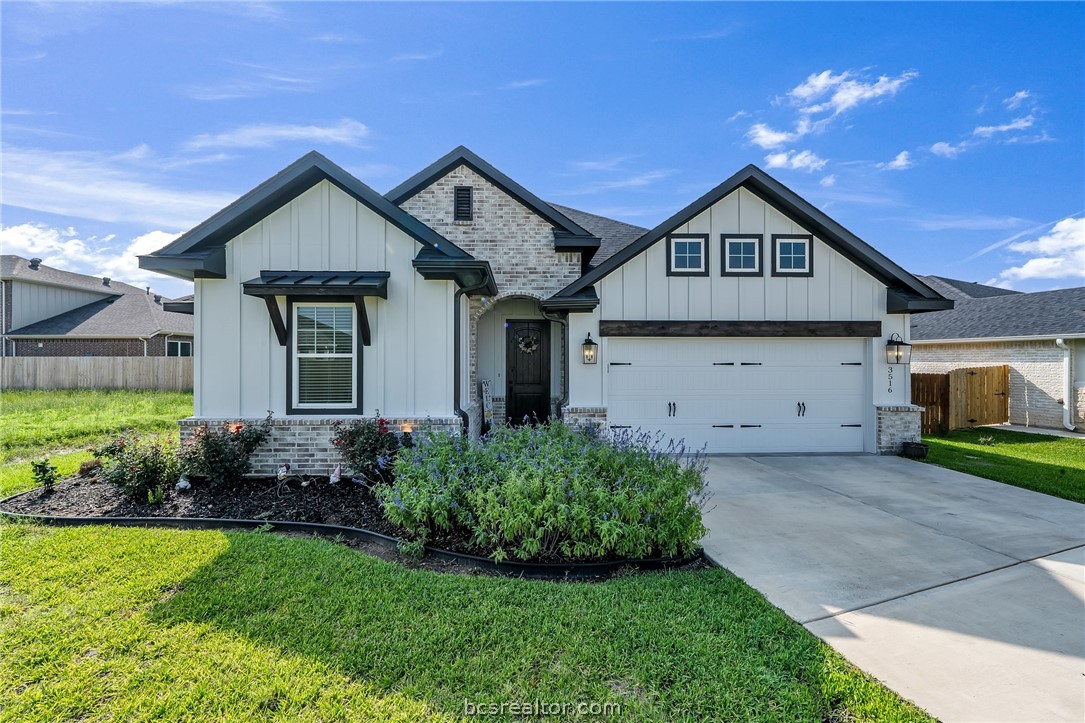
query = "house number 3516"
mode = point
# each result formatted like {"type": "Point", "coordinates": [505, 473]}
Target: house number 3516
{"type": "Point", "coordinates": [890, 379]}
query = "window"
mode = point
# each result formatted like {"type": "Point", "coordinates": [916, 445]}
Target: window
{"type": "Point", "coordinates": [462, 209]}
{"type": "Point", "coordinates": [687, 254]}
{"type": "Point", "coordinates": [792, 255]}
{"type": "Point", "coordinates": [325, 356]}
{"type": "Point", "coordinates": [742, 254]}
{"type": "Point", "coordinates": [178, 348]}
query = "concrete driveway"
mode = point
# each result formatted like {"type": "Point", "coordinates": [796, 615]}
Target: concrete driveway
{"type": "Point", "coordinates": [964, 595]}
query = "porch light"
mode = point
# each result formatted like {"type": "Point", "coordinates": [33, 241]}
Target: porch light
{"type": "Point", "coordinates": [898, 351]}
{"type": "Point", "coordinates": [591, 350]}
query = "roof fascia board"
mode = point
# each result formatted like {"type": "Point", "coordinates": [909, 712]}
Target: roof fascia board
{"type": "Point", "coordinates": [204, 264]}
{"type": "Point", "coordinates": [995, 339]}
{"type": "Point", "coordinates": [463, 156]}
{"type": "Point", "coordinates": [788, 202]}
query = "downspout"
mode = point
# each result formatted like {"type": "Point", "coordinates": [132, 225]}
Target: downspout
{"type": "Point", "coordinates": [3, 318]}
{"type": "Point", "coordinates": [456, 325]}
{"type": "Point", "coordinates": [1067, 385]}
{"type": "Point", "coordinates": [564, 321]}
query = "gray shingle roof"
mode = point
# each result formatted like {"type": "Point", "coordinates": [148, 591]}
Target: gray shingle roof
{"type": "Point", "coordinates": [955, 289]}
{"type": "Point", "coordinates": [127, 311]}
{"type": "Point", "coordinates": [1043, 314]}
{"type": "Point", "coordinates": [613, 235]}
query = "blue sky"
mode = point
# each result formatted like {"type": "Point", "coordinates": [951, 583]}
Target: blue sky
{"type": "Point", "coordinates": [949, 136]}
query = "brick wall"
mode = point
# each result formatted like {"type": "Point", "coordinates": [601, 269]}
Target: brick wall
{"type": "Point", "coordinates": [578, 416]}
{"type": "Point", "coordinates": [518, 244]}
{"type": "Point", "coordinates": [305, 442]}
{"type": "Point", "coordinates": [156, 346]}
{"type": "Point", "coordinates": [1079, 407]}
{"type": "Point", "coordinates": [1036, 374]}
{"type": "Point", "coordinates": [897, 425]}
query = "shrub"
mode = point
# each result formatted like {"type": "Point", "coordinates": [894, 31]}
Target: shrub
{"type": "Point", "coordinates": [141, 467]}
{"type": "Point", "coordinates": [221, 456]}
{"type": "Point", "coordinates": [551, 492]}
{"type": "Point", "coordinates": [45, 473]}
{"type": "Point", "coordinates": [368, 447]}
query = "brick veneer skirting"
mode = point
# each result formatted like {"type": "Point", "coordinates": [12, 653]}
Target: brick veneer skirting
{"type": "Point", "coordinates": [897, 425]}
{"type": "Point", "coordinates": [1079, 406]}
{"type": "Point", "coordinates": [155, 346]}
{"type": "Point", "coordinates": [580, 416]}
{"type": "Point", "coordinates": [305, 442]}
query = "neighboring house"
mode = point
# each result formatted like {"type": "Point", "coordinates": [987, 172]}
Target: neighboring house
{"type": "Point", "coordinates": [1041, 336]}
{"type": "Point", "coordinates": [50, 312]}
{"type": "Point", "coordinates": [747, 322]}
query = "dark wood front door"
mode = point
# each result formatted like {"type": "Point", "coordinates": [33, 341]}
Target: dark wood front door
{"type": "Point", "coordinates": [527, 367]}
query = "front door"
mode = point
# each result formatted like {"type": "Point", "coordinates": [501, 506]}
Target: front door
{"type": "Point", "coordinates": [527, 362]}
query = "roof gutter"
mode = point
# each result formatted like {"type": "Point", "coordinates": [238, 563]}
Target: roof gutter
{"type": "Point", "coordinates": [994, 339]}
{"type": "Point", "coordinates": [1067, 384]}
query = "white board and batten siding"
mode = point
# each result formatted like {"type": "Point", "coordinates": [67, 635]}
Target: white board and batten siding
{"type": "Point", "coordinates": [838, 290]}
{"type": "Point", "coordinates": [241, 369]}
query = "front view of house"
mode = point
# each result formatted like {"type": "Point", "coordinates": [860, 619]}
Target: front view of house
{"type": "Point", "coordinates": [748, 322]}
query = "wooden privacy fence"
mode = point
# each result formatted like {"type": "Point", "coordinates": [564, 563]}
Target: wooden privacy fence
{"type": "Point", "coordinates": [962, 398]}
{"type": "Point", "coordinates": [168, 373]}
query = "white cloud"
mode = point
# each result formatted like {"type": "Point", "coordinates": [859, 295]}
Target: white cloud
{"type": "Point", "coordinates": [948, 150]}
{"type": "Point", "coordinates": [92, 185]}
{"type": "Point", "coordinates": [828, 182]}
{"type": "Point", "coordinates": [763, 136]}
{"type": "Point", "coordinates": [416, 57]}
{"type": "Point", "coordinates": [965, 222]}
{"type": "Point", "coordinates": [66, 248]}
{"type": "Point", "coordinates": [264, 135]}
{"type": "Point", "coordinates": [799, 161]}
{"type": "Point", "coordinates": [737, 115]}
{"type": "Point", "coordinates": [639, 180]}
{"type": "Point", "coordinates": [1058, 254]}
{"type": "Point", "coordinates": [844, 91]}
{"type": "Point", "coordinates": [1014, 101]}
{"type": "Point", "coordinates": [901, 162]}
{"type": "Point", "coordinates": [253, 81]}
{"type": "Point", "coordinates": [1017, 124]}
{"type": "Point", "coordinates": [603, 164]}
{"type": "Point", "coordinates": [529, 83]}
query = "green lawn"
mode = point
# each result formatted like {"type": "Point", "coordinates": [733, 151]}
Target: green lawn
{"type": "Point", "coordinates": [1052, 465]}
{"type": "Point", "coordinates": [127, 624]}
{"type": "Point", "coordinates": [62, 424]}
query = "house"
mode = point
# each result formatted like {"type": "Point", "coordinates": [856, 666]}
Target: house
{"type": "Point", "coordinates": [1041, 336]}
{"type": "Point", "coordinates": [50, 312]}
{"type": "Point", "coordinates": [747, 322]}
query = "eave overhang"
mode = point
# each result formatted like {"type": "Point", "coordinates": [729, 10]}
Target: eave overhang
{"type": "Point", "coordinates": [180, 307]}
{"type": "Point", "coordinates": [905, 302]}
{"type": "Point", "coordinates": [472, 274]}
{"type": "Point", "coordinates": [207, 263]}
{"type": "Point", "coordinates": [582, 302]}
{"type": "Point", "coordinates": [318, 283]}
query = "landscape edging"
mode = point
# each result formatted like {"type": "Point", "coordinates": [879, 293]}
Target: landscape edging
{"type": "Point", "coordinates": [552, 571]}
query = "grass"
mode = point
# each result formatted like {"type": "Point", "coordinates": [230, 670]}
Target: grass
{"type": "Point", "coordinates": [120, 623]}
{"type": "Point", "coordinates": [62, 424]}
{"type": "Point", "coordinates": [1039, 462]}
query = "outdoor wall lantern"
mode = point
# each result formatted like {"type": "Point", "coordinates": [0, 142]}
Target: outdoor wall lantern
{"type": "Point", "coordinates": [591, 350]}
{"type": "Point", "coordinates": [898, 351]}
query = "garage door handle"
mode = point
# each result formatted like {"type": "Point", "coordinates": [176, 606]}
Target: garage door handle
{"type": "Point", "coordinates": [621, 364]}
{"type": "Point", "coordinates": [723, 364]}
{"type": "Point", "coordinates": [751, 364]}
{"type": "Point", "coordinates": [746, 426]}
{"type": "Point", "coordinates": [851, 425]}
{"type": "Point", "coordinates": [851, 364]}
{"type": "Point", "coordinates": [723, 426]}
{"type": "Point", "coordinates": [803, 408]}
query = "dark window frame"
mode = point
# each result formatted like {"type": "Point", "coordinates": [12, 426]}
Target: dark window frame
{"type": "Point", "coordinates": [463, 195]}
{"type": "Point", "coordinates": [724, 255]}
{"type": "Point", "coordinates": [178, 342]}
{"type": "Point", "coordinates": [808, 238]}
{"type": "Point", "coordinates": [291, 348]}
{"type": "Point", "coordinates": [703, 238]}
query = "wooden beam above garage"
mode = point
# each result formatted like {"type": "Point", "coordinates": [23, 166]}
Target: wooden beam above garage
{"type": "Point", "coordinates": [742, 328]}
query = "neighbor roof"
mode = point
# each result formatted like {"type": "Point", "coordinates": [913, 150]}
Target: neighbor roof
{"type": "Point", "coordinates": [1048, 314]}
{"type": "Point", "coordinates": [16, 267]}
{"type": "Point", "coordinates": [613, 235]}
{"type": "Point", "coordinates": [192, 254]}
{"type": "Point", "coordinates": [955, 289]}
{"type": "Point", "coordinates": [132, 312]}
{"type": "Point", "coordinates": [911, 293]}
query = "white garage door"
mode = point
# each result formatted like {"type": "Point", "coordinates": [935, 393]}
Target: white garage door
{"type": "Point", "coordinates": [749, 395]}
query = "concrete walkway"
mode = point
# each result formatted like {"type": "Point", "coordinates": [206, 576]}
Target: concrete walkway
{"type": "Point", "coordinates": [1037, 430]}
{"type": "Point", "coordinates": [964, 595]}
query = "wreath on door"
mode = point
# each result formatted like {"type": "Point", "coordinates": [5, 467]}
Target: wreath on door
{"type": "Point", "coordinates": [528, 344]}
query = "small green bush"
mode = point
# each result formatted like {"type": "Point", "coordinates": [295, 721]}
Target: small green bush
{"type": "Point", "coordinates": [368, 447]}
{"type": "Point", "coordinates": [139, 466]}
{"type": "Point", "coordinates": [221, 456]}
{"type": "Point", "coordinates": [45, 473]}
{"type": "Point", "coordinates": [551, 492]}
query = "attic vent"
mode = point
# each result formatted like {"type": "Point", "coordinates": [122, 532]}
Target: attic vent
{"type": "Point", "coordinates": [35, 263]}
{"type": "Point", "coordinates": [157, 298]}
{"type": "Point", "coordinates": [461, 204]}
{"type": "Point", "coordinates": [105, 281]}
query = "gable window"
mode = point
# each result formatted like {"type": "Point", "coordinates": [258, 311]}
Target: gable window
{"type": "Point", "coordinates": [742, 254]}
{"type": "Point", "coordinates": [178, 348]}
{"type": "Point", "coordinates": [462, 206]}
{"type": "Point", "coordinates": [792, 255]}
{"type": "Point", "coordinates": [687, 254]}
{"type": "Point", "coordinates": [325, 356]}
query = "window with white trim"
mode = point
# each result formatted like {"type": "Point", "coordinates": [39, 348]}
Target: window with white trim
{"type": "Point", "coordinates": [687, 254]}
{"type": "Point", "coordinates": [325, 356]}
{"type": "Point", "coordinates": [742, 255]}
{"type": "Point", "coordinates": [791, 255]}
{"type": "Point", "coordinates": [178, 348]}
